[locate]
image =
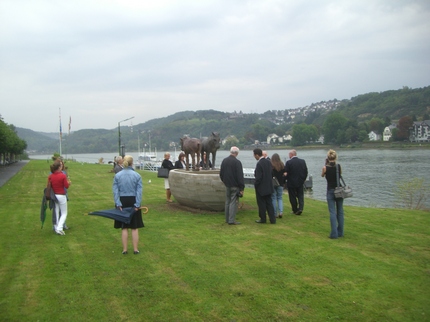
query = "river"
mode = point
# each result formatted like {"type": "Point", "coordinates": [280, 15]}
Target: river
{"type": "Point", "coordinates": [374, 175]}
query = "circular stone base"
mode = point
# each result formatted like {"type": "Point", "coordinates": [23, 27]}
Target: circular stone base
{"type": "Point", "coordinates": [198, 189]}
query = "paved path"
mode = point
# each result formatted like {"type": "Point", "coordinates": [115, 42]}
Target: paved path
{"type": "Point", "coordinates": [8, 171]}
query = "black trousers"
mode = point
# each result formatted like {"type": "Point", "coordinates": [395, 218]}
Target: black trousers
{"type": "Point", "coordinates": [297, 198]}
{"type": "Point", "coordinates": [265, 204]}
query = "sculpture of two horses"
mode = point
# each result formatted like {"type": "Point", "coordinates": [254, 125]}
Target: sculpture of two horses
{"type": "Point", "coordinates": [196, 147]}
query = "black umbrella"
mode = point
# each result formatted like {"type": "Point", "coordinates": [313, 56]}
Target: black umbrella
{"type": "Point", "coordinates": [45, 204]}
{"type": "Point", "coordinates": [123, 215]}
{"type": "Point", "coordinates": [43, 207]}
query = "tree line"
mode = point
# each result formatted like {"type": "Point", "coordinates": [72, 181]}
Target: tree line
{"type": "Point", "coordinates": [11, 146]}
{"type": "Point", "coordinates": [338, 129]}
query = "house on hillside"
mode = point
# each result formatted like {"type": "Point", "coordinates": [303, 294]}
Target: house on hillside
{"type": "Point", "coordinates": [387, 134]}
{"type": "Point", "coordinates": [373, 136]}
{"type": "Point", "coordinates": [272, 138]}
{"type": "Point", "coordinates": [229, 138]}
{"type": "Point", "coordinates": [285, 138]}
{"type": "Point", "coordinates": [420, 131]}
{"type": "Point", "coordinates": [235, 115]}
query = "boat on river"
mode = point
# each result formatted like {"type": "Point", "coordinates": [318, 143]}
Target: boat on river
{"type": "Point", "coordinates": [148, 161]}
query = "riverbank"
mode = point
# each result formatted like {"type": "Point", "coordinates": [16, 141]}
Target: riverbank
{"type": "Point", "coordinates": [360, 169]}
{"type": "Point", "coordinates": [363, 146]}
{"type": "Point", "coordinates": [287, 271]}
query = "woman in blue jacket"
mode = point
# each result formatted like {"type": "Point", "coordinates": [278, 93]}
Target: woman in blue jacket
{"type": "Point", "coordinates": [127, 192]}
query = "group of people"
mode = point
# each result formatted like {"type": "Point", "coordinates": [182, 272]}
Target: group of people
{"type": "Point", "coordinates": [127, 190]}
{"type": "Point", "coordinates": [266, 173]}
{"type": "Point", "coordinates": [271, 176]}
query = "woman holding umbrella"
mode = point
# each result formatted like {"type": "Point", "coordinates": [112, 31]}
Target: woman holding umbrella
{"type": "Point", "coordinates": [127, 192]}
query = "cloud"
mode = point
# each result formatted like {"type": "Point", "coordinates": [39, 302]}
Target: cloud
{"type": "Point", "coordinates": [102, 61]}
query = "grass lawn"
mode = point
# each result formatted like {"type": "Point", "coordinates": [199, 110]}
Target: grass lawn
{"type": "Point", "coordinates": [194, 267]}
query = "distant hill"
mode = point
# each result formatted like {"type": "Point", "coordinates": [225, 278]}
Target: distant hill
{"type": "Point", "coordinates": [164, 133]}
{"type": "Point", "coordinates": [389, 104]}
{"type": "Point", "coordinates": [38, 142]}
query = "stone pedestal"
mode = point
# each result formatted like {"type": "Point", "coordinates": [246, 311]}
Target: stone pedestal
{"type": "Point", "coordinates": [198, 189]}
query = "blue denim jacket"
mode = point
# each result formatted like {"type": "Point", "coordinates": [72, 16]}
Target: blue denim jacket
{"type": "Point", "coordinates": [127, 183]}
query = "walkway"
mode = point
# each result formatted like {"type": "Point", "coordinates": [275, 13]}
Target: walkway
{"type": "Point", "coordinates": [8, 171]}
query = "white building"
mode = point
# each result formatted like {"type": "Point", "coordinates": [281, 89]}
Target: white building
{"type": "Point", "coordinates": [272, 138]}
{"type": "Point", "coordinates": [374, 136]}
{"type": "Point", "coordinates": [420, 131]}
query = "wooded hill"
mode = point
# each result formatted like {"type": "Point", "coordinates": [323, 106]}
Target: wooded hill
{"type": "Point", "coordinates": [388, 107]}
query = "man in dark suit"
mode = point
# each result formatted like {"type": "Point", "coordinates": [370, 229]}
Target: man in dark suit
{"type": "Point", "coordinates": [231, 174]}
{"type": "Point", "coordinates": [263, 188]}
{"type": "Point", "coordinates": [297, 172]}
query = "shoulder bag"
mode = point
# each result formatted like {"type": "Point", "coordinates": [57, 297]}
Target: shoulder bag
{"type": "Point", "coordinates": [163, 173]}
{"type": "Point", "coordinates": [275, 182]}
{"type": "Point", "coordinates": [48, 190]}
{"type": "Point", "coordinates": [341, 191]}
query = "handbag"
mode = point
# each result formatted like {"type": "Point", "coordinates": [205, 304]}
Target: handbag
{"type": "Point", "coordinates": [48, 190]}
{"type": "Point", "coordinates": [341, 191]}
{"type": "Point", "coordinates": [163, 173]}
{"type": "Point", "coordinates": [275, 182]}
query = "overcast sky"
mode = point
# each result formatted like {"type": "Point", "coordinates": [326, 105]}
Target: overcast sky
{"type": "Point", "coordinates": [104, 61]}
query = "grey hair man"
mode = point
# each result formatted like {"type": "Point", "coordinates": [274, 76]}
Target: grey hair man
{"type": "Point", "coordinates": [118, 164]}
{"type": "Point", "coordinates": [231, 174]}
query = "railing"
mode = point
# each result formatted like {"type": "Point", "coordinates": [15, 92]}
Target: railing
{"type": "Point", "coordinates": [248, 173]}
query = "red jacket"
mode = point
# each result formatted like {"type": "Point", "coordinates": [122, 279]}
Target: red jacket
{"type": "Point", "coordinates": [59, 183]}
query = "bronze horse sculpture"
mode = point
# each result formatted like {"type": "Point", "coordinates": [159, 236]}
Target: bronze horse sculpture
{"type": "Point", "coordinates": [209, 146]}
{"type": "Point", "coordinates": [193, 147]}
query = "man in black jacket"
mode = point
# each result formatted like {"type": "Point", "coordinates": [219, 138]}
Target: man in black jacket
{"type": "Point", "coordinates": [264, 188]}
{"type": "Point", "coordinates": [297, 172]}
{"type": "Point", "coordinates": [231, 174]}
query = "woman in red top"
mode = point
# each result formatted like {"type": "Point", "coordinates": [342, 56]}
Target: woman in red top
{"type": "Point", "coordinates": [59, 184]}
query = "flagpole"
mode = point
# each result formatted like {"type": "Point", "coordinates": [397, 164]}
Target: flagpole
{"type": "Point", "coordinates": [70, 123]}
{"type": "Point", "coordinates": [61, 134]}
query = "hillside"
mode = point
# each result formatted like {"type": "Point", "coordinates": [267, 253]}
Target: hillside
{"type": "Point", "coordinates": [164, 133]}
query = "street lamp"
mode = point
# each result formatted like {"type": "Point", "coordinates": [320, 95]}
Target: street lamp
{"type": "Point", "coordinates": [138, 141]}
{"type": "Point", "coordinates": [119, 135]}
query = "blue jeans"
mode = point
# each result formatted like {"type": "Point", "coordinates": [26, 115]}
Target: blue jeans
{"type": "Point", "coordinates": [277, 200]}
{"type": "Point", "coordinates": [335, 207]}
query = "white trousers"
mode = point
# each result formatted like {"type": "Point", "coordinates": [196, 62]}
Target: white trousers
{"type": "Point", "coordinates": [60, 205]}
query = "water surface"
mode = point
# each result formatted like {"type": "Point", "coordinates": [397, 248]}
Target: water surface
{"type": "Point", "coordinates": [373, 174]}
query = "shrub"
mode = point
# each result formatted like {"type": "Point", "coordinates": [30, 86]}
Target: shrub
{"type": "Point", "coordinates": [412, 194]}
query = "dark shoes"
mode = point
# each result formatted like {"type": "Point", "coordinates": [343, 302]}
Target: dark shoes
{"type": "Point", "coordinates": [260, 222]}
{"type": "Point", "coordinates": [298, 212]}
{"type": "Point", "coordinates": [234, 223]}
{"type": "Point", "coordinates": [135, 252]}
